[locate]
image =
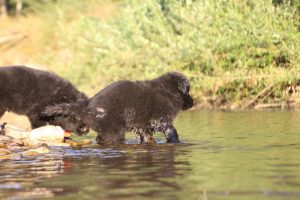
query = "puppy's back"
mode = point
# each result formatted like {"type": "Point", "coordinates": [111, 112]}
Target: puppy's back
{"type": "Point", "coordinates": [23, 88]}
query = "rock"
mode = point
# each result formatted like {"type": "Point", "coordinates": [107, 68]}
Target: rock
{"type": "Point", "coordinates": [91, 145]}
{"type": "Point", "coordinates": [3, 145]}
{"type": "Point", "coordinates": [36, 152]}
{"type": "Point", "coordinates": [47, 134]}
{"type": "Point", "coordinates": [15, 132]}
{"type": "Point", "coordinates": [71, 142]}
{"type": "Point", "coordinates": [4, 151]}
{"type": "Point", "coordinates": [11, 141]}
{"type": "Point", "coordinates": [17, 142]}
{"type": "Point", "coordinates": [61, 144]}
{"type": "Point", "coordinates": [31, 153]}
{"type": "Point", "coordinates": [86, 141]}
{"type": "Point", "coordinates": [17, 148]}
{"type": "Point", "coordinates": [5, 139]}
{"type": "Point", "coordinates": [5, 157]}
{"type": "Point", "coordinates": [39, 145]}
{"type": "Point", "coordinates": [32, 142]}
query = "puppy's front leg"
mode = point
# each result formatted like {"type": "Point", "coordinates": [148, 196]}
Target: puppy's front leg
{"type": "Point", "coordinates": [139, 137]}
{"type": "Point", "coordinates": [144, 137]}
{"type": "Point", "coordinates": [171, 134]}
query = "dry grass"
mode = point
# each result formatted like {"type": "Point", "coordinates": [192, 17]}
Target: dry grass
{"type": "Point", "coordinates": [26, 43]}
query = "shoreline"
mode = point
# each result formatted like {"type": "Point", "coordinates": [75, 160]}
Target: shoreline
{"type": "Point", "coordinates": [283, 106]}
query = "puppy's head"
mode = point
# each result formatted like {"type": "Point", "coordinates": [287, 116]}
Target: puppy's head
{"type": "Point", "coordinates": [181, 85]}
{"type": "Point", "coordinates": [70, 116]}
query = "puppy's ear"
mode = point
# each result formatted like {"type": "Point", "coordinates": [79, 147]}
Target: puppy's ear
{"type": "Point", "coordinates": [64, 109]}
{"type": "Point", "coordinates": [77, 108]}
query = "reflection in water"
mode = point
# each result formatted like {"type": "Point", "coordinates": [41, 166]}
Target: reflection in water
{"type": "Point", "coordinates": [224, 155]}
{"type": "Point", "coordinates": [130, 171]}
{"type": "Point", "coordinates": [121, 171]}
{"type": "Point", "coordinates": [17, 177]}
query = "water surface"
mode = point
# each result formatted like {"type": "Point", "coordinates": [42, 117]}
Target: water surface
{"type": "Point", "coordinates": [223, 155]}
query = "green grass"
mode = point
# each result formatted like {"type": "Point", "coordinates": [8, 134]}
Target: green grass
{"type": "Point", "coordinates": [230, 50]}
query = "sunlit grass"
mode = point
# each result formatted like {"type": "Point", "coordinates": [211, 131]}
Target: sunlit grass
{"type": "Point", "coordinates": [230, 50]}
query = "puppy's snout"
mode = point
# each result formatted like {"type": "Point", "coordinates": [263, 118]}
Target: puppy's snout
{"type": "Point", "coordinates": [188, 102]}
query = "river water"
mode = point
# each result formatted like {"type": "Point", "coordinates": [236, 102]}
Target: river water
{"type": "Point", "coordinates": [223, 155]}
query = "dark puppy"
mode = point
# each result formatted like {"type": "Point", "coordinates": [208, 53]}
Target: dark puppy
{"type": "Point", "coordinates": [144, 107]}
{"type": "Point", "coordinates": [28, 92]}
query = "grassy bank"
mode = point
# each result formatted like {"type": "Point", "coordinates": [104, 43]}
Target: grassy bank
{"type": "Point", "coordinates": [236, 53]}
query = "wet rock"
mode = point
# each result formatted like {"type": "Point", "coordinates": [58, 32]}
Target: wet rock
{"type": "Point", "coordinates": [6, 157]}
{"type": "Point", "coordinates": [4, 151]}
{"type": "Point", "coordinates": [36, 152]}
{"type": "Point", "coordinates": [47, 134]}
{"type": "Point", "coordinates": [5, 139]}
{"type": "Point", "coordinates": [91, 145]}
{"type": "Point", "coordinates": [15, 132]}
{"type": "Point", "coordinates": [10, 140]}
{"type": "Point", "coordinates": [60, 144]}
{"type": "Point", "coordinates": [17, 148]}
{"type": "Point", "coordinates": [2, 145]}
{"type": "Point", "coordinates": [86, 142]}
{"type": "Point", "coordinates": [73, 143]}
{"type": "Point", "coordinates": [39, 145]}
{"type": "Point", "coordinates": [16, 142]}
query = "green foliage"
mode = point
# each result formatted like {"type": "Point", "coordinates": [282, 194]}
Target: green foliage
{"type": "Point", "coordinates": [220, 45]}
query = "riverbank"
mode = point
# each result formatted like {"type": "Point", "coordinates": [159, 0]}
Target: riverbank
{"type": "Point", "coordinates": [238, 55]}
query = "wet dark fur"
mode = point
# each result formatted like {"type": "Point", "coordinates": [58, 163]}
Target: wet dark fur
{"type": "Point", "coordinates": [144, 107]}
{"type": "Point", "coordinates": [29, 91]}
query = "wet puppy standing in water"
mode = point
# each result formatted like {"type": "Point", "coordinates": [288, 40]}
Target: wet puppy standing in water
{"type": "Point", "coordinates": [28, 91]}
{"type": "Point", "coordinates": [143, 107]}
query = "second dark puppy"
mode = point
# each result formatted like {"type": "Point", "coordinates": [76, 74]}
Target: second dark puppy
{"type": "Point", "coordinates": [143, 107]}
{"type": "Point", "coordinates": [28, 91]}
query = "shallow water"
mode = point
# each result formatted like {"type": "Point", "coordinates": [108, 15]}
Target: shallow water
{"type": "Point", "coordinates": [223, 155]}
